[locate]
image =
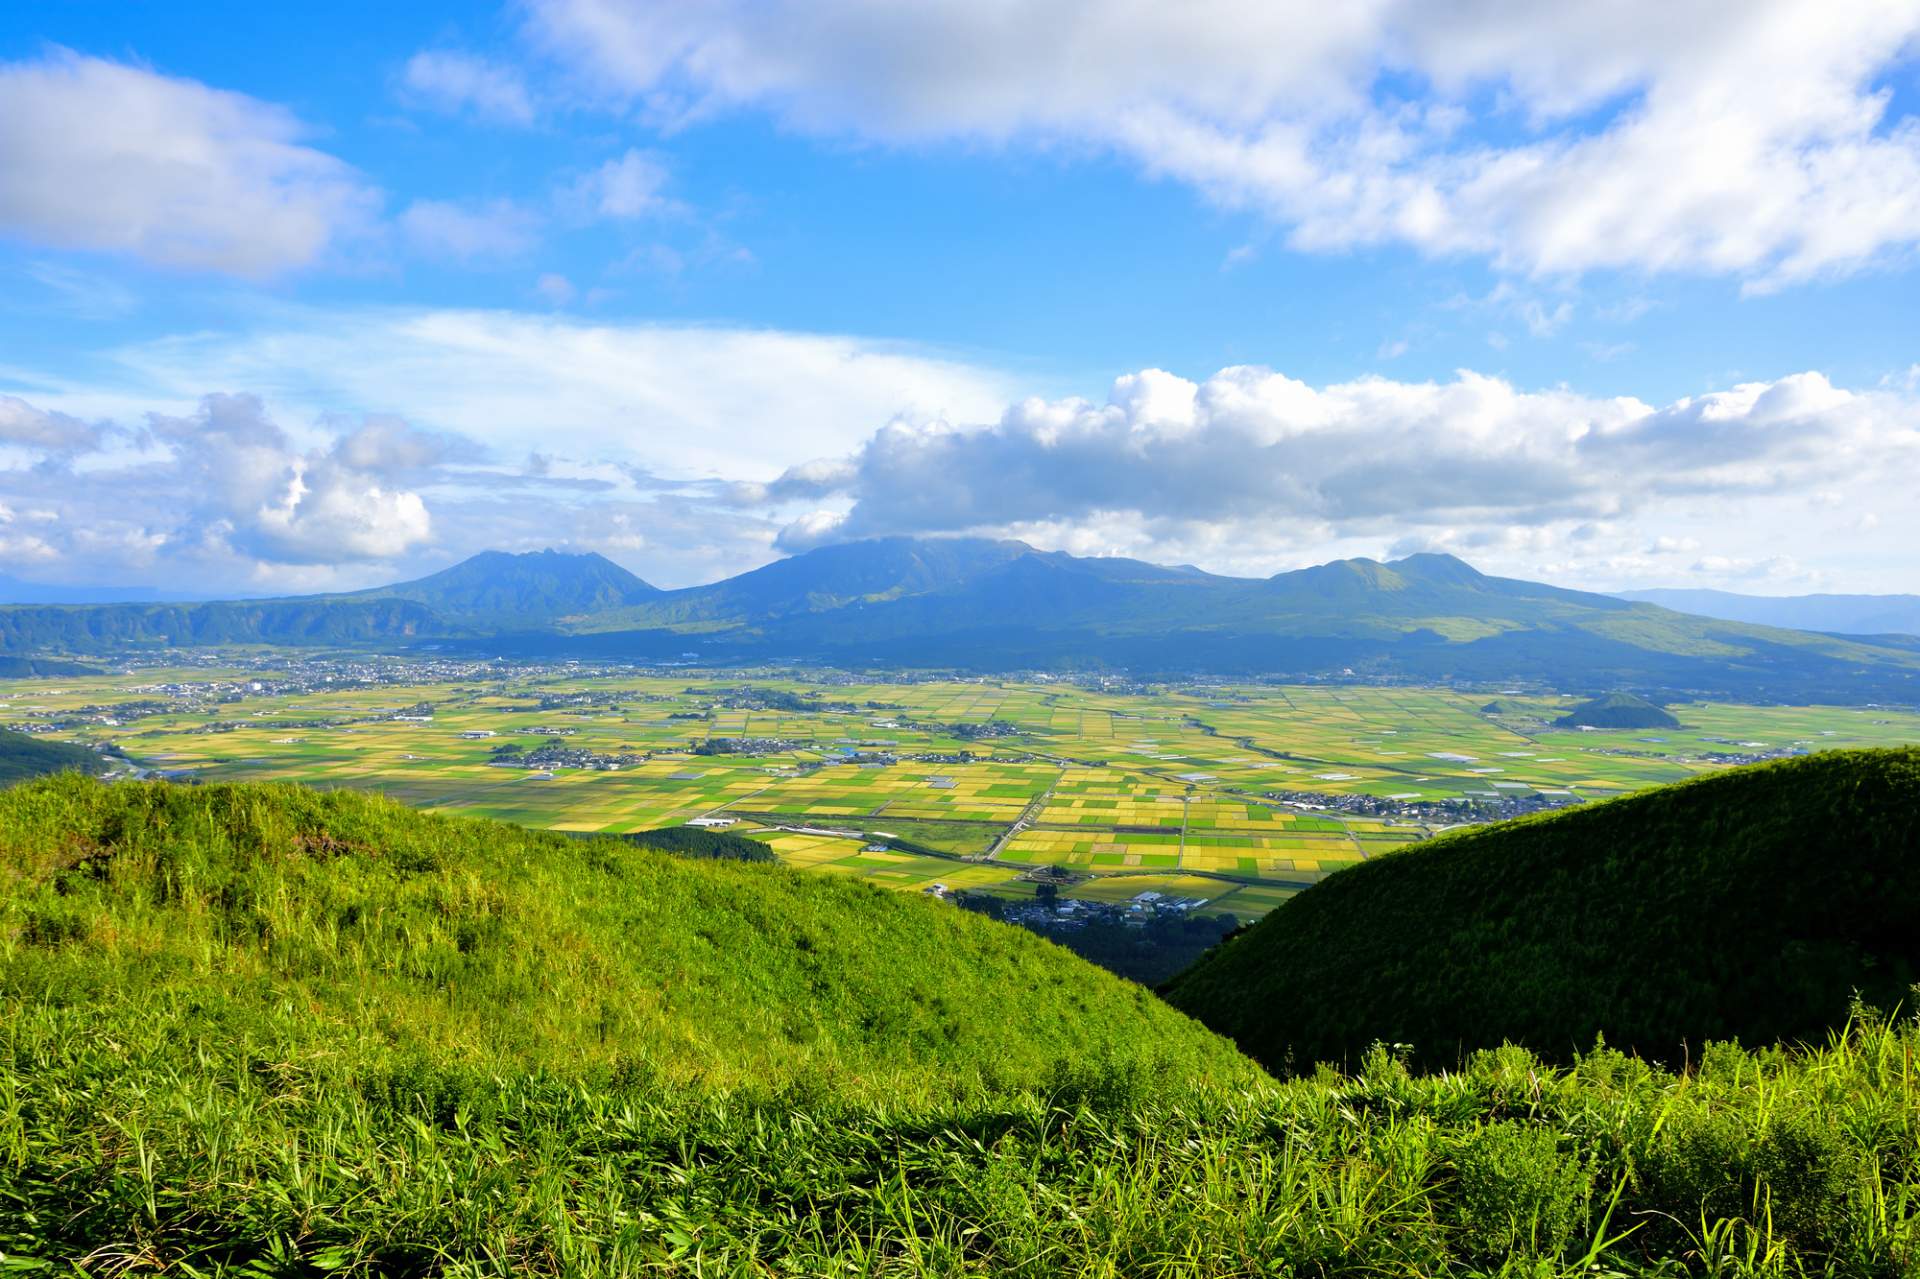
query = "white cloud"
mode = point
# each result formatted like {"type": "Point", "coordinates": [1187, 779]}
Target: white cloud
{"type": "Point", "coordinates": [105, 156]}
{"type": "Point", "coordinates": [628, 186]}
{"type": "Point", "coordinates": [692, 453]}
{"type": "Point", "coordinates": [387, 445]}
{"type": "Point", "coordinates": [27, 548]}
{"type": "Point", "coordinates": [1258, 465]}
{"type": "Point", "coordinates": [635, 432]}
{"type": "Point", "coordinates": [222, 495]}
{"type": "Point", "coordinates": [246, 484]}
{"type": "Point", "coordinates": [454, 82]}
{"type": "Point", "coordinates": [28, 427]}
{"type": "Point", "coordinates": [1649, 135]}
{"type": "Point", "coordinates": [685, 402]}
{"type": "Point", "coordinates": [439, 228]}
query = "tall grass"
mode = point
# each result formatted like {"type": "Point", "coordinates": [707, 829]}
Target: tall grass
{"type": "Point", "coordinates": [257, 1031]}
{"type": "Point", "coordinates": [136, 1139]}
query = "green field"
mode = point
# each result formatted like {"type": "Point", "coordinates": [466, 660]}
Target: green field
{"type": "Point", "coordinates": [1177, 781]}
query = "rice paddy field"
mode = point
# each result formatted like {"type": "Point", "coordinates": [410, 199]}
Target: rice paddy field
{"type": "Point", "coordinates": [1229, 794]}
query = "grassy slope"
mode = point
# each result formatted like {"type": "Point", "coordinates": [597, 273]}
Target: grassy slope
{"type": "Point", "coordinates": [1748, 903]}
{"type": "Point", "coordinates": [487, 944]}
{"type": "Point", "coordinates": [1617, 710]}
{"type": "Point", "coordinates": [264, 1031]}
{"type": "Point", "coordinates": [22, 757]}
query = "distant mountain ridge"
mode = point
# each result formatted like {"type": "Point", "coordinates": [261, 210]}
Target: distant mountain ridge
{"type": "Point", "coordinates": [982, 604]}
{"type": "Point", "coordinates": [499, 588]}
{"type": "Point", "coordinates": [1837, 614]}
{"type": "Point", "coordinates": [486, 593]}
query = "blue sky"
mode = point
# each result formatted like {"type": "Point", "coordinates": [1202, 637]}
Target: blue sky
{"type": "Point", "coordinates": [655, 280]}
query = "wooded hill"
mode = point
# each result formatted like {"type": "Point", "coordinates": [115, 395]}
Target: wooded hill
{"type": "Point", "coordinates": [22, 756]}
{"type": "Point", "coordinates": [1750, 904]}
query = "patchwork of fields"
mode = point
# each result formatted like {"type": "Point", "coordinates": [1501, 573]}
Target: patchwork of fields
{"type": "Point", "coordinates": [916, 784]}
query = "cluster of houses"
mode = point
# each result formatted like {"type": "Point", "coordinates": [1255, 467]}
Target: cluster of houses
{"type": "Point", "coordinates": [1451, 811]}
{"type": "Point", "coordinates": [1067, 914]}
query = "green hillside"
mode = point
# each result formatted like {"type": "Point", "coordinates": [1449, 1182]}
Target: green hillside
{"type": "Point", "coordinates": [22, 757]}
{"type": "Point", "coordinates": [1617, 710]}
{"type": "Point", "coordinates": [503, 948]}
{"type": "Point", "coordinates": [1746, 904]}
{"type": "Point", "coordinates": [251, 1031]}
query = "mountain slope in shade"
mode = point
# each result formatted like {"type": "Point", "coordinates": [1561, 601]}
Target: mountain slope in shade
{"type": "Point", "coordinates": [832, 577]}
{"type": "Point", "coordinates": [23, 756]}
{"type": "Point", "coordinates": [1839, 614]}
{"type": "Point", "coordinates": [314, 621]}
{"type": "Point", "coordinates": [516, 591]}
{"type": "Point", "coordinates": [995, 605]}
{"type": "Point", "coordinates": [1751, 903]}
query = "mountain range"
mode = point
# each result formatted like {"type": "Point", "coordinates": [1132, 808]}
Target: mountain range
{"type": "Point", "coordinates": [1838, 614]}
{"type": "Point", "coordinates": [984, 604]}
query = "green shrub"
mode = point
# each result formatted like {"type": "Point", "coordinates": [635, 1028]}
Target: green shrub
{"type": "Point", "coordinates": [1519, 1193]}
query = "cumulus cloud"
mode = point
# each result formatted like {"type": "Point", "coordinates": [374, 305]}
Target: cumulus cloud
{"type": "Point", "coordinates": [278, 503]}
{"type": "Point", "coordinates": [455, 83]}
{"type": "Point", "coordinates": [1652, 134]}
{"type": "Point", "coordinates": [106, 156]}
{"type": "Point", "coordinates": [1255, 456]}
{"type": "Point", "coordinates": [222, 489]}
{"type": "Point", "coordinates": [386, 445]}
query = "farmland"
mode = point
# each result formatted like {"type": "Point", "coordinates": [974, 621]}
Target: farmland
{"type": "Point", "coordinates": [1235, 796]}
